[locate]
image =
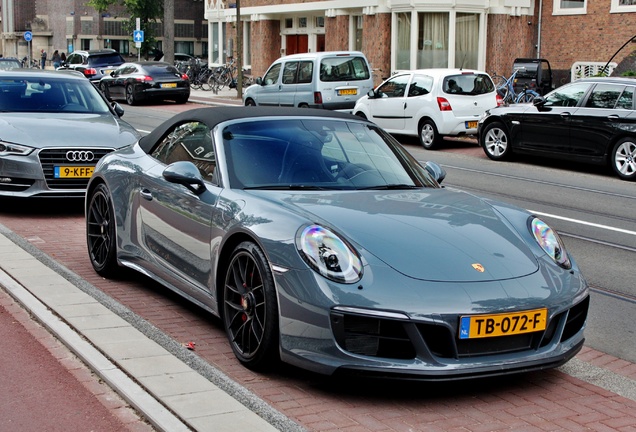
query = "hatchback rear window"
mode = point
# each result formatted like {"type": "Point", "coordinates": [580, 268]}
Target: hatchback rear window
{"type": "Point", "coordinates": [468, 84]}
{"type": "Point", "coordinates": [344, 69]}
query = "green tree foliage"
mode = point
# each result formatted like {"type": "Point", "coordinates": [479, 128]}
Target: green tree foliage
{"type": "Point", "coordinates": [148, 12]}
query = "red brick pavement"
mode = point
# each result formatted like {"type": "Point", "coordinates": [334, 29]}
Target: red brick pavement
{"type": "Point", "coordinates": [541, 401]}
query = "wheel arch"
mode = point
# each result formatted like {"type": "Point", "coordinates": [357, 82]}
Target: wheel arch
{"type": "Point", "coordinates": [223, 261]}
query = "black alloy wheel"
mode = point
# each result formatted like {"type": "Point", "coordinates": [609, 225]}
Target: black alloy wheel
{"type": "Point", "coordinates": [250, 312]}
{"type": "Point", "coordinates": [100, 232]}
{"type": "Point", "coordinates": [496, 142]}
{"type": "Point", "coordinates": [104, 89]}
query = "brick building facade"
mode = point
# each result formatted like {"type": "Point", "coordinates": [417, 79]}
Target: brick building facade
{"type": "Point", "coordinates": [393, 34]}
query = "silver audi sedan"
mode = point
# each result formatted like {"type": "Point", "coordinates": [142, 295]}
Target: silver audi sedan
{"type": "Point", "coordinates": [54, 127]}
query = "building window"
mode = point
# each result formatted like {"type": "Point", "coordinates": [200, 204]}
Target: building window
{"type": "Point", "coordinates": [569, 7]}
{"type": "Point", "coordinates": [247, 43]}
{"type": "Point", "coordinates": [87, 27]}
{"type": "Point", "coordinates": [184, 30]}
{"type": "Point", "coordinates": [620, 6]}
{"type": "Point", "coordinates": [358, 33]}
{"type": "Point", "coordinates": [433, 40]}
{"type": "Point", "coordinates": [302, 22]}
{"type": "Point", "coordinates": [467, 40]}
{"type": "Point", "coordinates": [423, 40]}
{"type": "Point", "coordinates": [289, 23]}
{"type": "Point", "coordinates": [403, 54]}
{"type": "Point", "coordinates": [320, 22]}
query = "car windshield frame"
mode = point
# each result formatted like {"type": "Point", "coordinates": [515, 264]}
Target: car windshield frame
{"type": "Point", "coordinates": [316, 154]}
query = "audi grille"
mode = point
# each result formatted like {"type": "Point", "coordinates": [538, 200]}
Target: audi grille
{"type": "Point", "coordinates": [52, 159]}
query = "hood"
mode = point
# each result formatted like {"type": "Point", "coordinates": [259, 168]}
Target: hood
{"type": "Point", "coordinates": [40, 130]}
{"type": "Point", "coordinates": [434, 234]}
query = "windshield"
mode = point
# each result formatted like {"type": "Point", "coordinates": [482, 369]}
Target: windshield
{"type": "Point", "coordinates": [318, 154]}
{"type": "Point", "coordinates": [49, 94]}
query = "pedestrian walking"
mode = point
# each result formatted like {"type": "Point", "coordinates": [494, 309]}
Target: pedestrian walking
{"type": "Point", "coordinates": [43, 58]}
{"type": "Point", "coordinates": [63, 59]}
{"type": "Point", "coordinates": [56, 59]}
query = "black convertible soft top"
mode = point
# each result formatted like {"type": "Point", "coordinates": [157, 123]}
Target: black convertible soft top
{"type": "Point", "coordinates": [212, 116]}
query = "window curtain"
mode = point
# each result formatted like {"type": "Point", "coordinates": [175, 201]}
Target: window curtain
{"type": "Point", "coordinates": [403, 58]}
{"type": "Point", "coordinates": [466, 40]}
{"type": "Point", "coordinates": [432, 49]}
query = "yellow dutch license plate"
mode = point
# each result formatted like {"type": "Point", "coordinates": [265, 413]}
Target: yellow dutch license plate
{"type": "Point", "coordinates": [506, 324]}
{"type": "Point", "coordinates": [471, 125]}
{"type": "Point", "coordinates": [347, 92]}
{"type": "Point", "coordinates": [73, 171]}
{"type": "Point", "coordinates": [169, 85]}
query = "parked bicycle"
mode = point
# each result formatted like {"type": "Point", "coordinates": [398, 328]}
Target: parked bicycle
{"type": "Point", "coordinates": [226, 75]}
{"type": "Point", "coordinates": [505, 88]}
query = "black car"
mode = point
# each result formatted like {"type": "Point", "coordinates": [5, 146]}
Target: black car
{"type": "Point", "coordinates": [590, 120]}
{"type": "Point", "coordinates": [139, 81]}
{"type": "Point", "coordinates": [94, 64]}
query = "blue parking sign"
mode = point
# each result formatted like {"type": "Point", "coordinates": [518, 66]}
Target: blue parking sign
{"type": "Point", "coordinates": [138, 36]}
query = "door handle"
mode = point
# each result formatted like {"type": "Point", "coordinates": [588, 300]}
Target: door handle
{"type": "Point", "coordinates": [146, 194]}
{"type": "Point", "coordinates": [613, 117]}
{"type": "Point", "coordinates": [565, 114]}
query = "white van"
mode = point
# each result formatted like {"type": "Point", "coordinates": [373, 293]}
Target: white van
{"type": "Point", "coordinates": [332, 80]}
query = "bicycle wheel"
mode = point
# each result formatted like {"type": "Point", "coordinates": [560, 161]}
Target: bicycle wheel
{"type": "Point", "coordinates": [526, 96]}
{"type": "Point", "coordinates": [205, 80]}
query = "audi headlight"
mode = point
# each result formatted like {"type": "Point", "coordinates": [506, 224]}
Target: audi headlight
{"type": "Point", "coordinates": [7, 149]}
{"type": "Point", "coordinates": [550, 242]}
{"type": "Point", "coordinates": [328, 254]}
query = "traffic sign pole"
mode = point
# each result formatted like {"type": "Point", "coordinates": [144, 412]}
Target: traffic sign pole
{"type": "Point", "coordinates": [28, 36]}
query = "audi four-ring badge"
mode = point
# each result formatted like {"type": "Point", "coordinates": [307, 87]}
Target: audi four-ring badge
{"type": "Point", "coordinates": [76, 127]}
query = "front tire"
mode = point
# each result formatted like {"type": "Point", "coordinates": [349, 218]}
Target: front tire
{"type": "Point", "coordinates": [250, 102]}
{"type": "Point", "coordinates": [100, 232]}
{"type": "Point", "coordinates": [105, 90]}
{"type": "Point", "coordinates": [496, 142]}
{"type": "Point", "coordinates": [624, 159]}
{"type": "Point", "coordinates": [249, 306]}
{"type": "Point", "coordinates": [429, 137]}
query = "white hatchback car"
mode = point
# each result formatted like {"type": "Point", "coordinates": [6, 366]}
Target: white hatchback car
{"type": "Point", "coordinates": [430, 103]}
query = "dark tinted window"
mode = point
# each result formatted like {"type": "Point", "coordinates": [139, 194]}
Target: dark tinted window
{"type": "Point", "coordinates": [420, 85]}
{"type": "Point", "coordinates": [105, 59]}
{"type": "Point", "coordinates": [626, 100]}
{"type": "Point", "coordinates": [344, 68]}
{"type": "Point", "coordinates": [604, 96]}
{"type": "Point", "coordinates": [568, 95]}
{"type": "Point", "coordinates": [157, 70]}
{"type": "Point", "coordinates": [395, 87]}
{"type": "Point", "coordinates": [7, 64]}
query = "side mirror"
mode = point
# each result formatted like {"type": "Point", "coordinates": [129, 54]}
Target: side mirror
{"type": "Point", "coordinates": [259, 81]}
{"type": "Point", "coordinates": [186, 174]}
{"type": "Point", "coordinates": [436, 171]}
{"type": "Point", "coordinates": [371, 94]}
{"type": "Point", "coordinates": [112, 73]}
{"type": "Point", "coordinates": [538, 101]}
{"type": "Point", "coordinates": [118, 109]}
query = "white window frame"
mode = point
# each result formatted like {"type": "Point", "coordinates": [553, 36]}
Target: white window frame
{"type": "Point", "coordinates": [617, 8]}
{"type": "Point", "coordinates": [558, 10]}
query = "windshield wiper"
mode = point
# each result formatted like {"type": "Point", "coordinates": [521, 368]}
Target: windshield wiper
{"type": "Point", "coordinates": [390, 187]}
{"type": "Point", "coordinates": [288, 187]}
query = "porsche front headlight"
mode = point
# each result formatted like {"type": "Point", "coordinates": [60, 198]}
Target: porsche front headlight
{"type": "Point", "coordinates": [328, 254]}
{"type": "Point", "coordinates": [7, 149]}
{"type": "Point", "coordinates": [550, 242]}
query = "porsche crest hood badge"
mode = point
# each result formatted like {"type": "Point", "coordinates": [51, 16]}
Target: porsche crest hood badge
{"type": "Point", "coordinates": [480, 268]}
